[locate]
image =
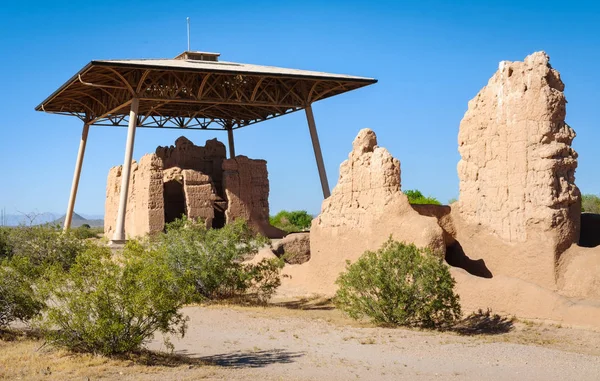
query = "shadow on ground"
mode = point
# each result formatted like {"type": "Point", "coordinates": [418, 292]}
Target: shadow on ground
{"type": "Point", "coordinates": [484, 323]}
{"type": "Point", "coordinates": [307, 304]}
{"type": "Point", "coordinates": [251, 359]}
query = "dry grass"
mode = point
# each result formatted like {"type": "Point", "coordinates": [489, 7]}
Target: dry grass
{"type": "Point", "coordinates": [25, 357]}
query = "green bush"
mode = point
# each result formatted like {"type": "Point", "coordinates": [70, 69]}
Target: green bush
{"type": "Point", "coordinates": [42, 246]}
{"type": "Point", "coordinates": [17, 298]}
{"type": "Point", "coordinates": [5, 248]}
{"type": "Point", "coordinates": [212, 260]}
{"type": "Point", "coordinates": [294, 221]}
{"type": "Point", "coordinates": [590, 203]}
{"type": "Point", "coordinates": [112, 306]}
{"type": "Point", "coordinates": [399, 285]}
{"type": "Point", "coordinates": [416, 197]}
{"type": "Point", "coordinates": [85, 232]}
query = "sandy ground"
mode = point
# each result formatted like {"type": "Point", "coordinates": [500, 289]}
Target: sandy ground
{"type": "Point", "coordinates": [299, 341]}
{"type": "Point", "coordinates": [320, 344]}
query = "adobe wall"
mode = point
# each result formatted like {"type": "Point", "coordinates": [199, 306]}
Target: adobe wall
{"type": "Point", "coordinates": [207, 159]}
{"type": "Point", "coordinates": [246, 189]}
{"type": "Point", "coordinates": [511, 238]}
{"type": "Point", "coordinates": [199, 191]}
{"type": "Point", "coordinates": [145, 204]}
{"type": "Point", "coordinates": [364, 209]}
{"type": "Point", "coordinates": [517, 167]}
{"type": "Point", "coordinates": [207, 179]}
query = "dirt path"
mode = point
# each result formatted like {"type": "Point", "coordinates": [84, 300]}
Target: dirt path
{"type": "Point", "coordinates": [278, 343]}
{"type": "Point", "coordinates": [313, 341]}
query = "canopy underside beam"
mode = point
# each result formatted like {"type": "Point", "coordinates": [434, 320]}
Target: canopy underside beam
{"type": "Point", "coordinates": [100, 95]}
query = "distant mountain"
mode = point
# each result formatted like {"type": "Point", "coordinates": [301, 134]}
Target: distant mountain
{"type": "Point", "coordinates": [33, 218]}
{"type": "Point", "coordinates": [78, 220]}
{"type": "Point", "coordinates": [92, 216]}
{"type": "Point", "coordinates": [36, 218]}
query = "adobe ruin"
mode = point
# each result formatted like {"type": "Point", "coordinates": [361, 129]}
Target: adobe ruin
{"type": "Point", "coordinates": [364, 209]}
{"type": "Point", "coordinates": [517, 167]}
{"type": "Point", "coordinates": [511, 238]}
{"type": "Point", "coordinates": [196, 181]}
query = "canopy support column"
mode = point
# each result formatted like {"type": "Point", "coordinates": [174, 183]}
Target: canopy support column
{"type": "Point", "coordinates": [317, 148]}
{"type": "Point", "coordinates": [76, 175]}
{"type": "Point", "coordinates": [231, 143]}
{"type": "Point", "coordinates": [119, 235]}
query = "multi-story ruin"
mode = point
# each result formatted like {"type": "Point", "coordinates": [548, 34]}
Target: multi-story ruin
{"type": "Point", "coordinates": [195, 181]}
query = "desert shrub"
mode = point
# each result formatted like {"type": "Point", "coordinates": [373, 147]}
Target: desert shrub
{"type": "Point", "coordinates": [399, 284]}
{"type": "Point", "coordinates": [43, 246]}
{"type": "Point", "coordinates": [18, 300]}
{"type": "Point", "coordinates": [416, 197]}
{"type": "Point", "coordinates": [5, 248]}
{"type": "Point", "coordinates": [113, 305]}
{"type": "Point", "coordinates": [212, 260]}
{"type": "Point", "coordinates": [85, 232]}
{"type": "Point", "coordinates": [590, 203]}
{"type": "Point", "coordinates": [294, 221]}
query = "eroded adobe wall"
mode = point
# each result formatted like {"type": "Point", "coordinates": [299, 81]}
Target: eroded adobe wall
{"type": "Point", "coordinates": [517, 167]}
{"type": "Point", "coordinates": [200, 195]}
{"type": "Point", "coordinates": [246, 188]}
{"type": "Point", "coordinates": [207, 159]}
{"type": "Point", "coordinates": [364, 209]}
{"type": "Point", "coordinates": [206, 179]}
{"type": "Point", "coordinates": [145, 204]}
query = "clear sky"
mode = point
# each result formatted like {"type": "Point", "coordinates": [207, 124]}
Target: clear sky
{"type": "Point", "coordinates": [430, 58]}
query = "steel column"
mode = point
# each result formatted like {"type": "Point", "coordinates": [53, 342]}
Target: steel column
{"type": "Point", "coordinates": [119, 235]}
{"type": "Point", "coordinates": [231, 144]}
{"type": "Point", "coordinates": [317, 148]}
{"type": "Point", "coordinates": [76, 175]}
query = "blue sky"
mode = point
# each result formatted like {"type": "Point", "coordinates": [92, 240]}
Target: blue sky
{"type": "Point", "coordinates": [430, 59]}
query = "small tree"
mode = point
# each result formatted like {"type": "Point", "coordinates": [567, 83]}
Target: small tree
{"type": "Point", "coordinates": [399, 285]}
{"type": "Point", "coordinates": [416, 197]}
{"type": "Point", "coordinates": [590, 203]}
{"type": "Point", "coordinates": [108, 306]}
{"type": "Point", "coordinates": [294, 221]}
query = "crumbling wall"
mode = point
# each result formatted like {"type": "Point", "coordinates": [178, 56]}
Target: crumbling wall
{"type": "Point", "coordinates": [511, 237]}
{"type": "Point", "coordinates": [246, 189]}
{"type": "Point", "coordinates": [519, 210]}
{"type": "Point", "coordinates": [201, 172]}
{"type": "Point", "coordinates": [145, 208]}
{"type": "Point", "coordinates": [517, 168]}
{"type": "Point", "coordinates": [185, 155]}
{"type": "Point", "coordinates": [111, 204]}
{"type": "Point", "coordinates": [364, 209]}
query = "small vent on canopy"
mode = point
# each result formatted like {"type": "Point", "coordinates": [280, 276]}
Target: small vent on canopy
{"type": "Point", "coordinates": [199, 56]}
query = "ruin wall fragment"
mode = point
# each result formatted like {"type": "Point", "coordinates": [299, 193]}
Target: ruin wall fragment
{"type": "Point", "coordinates": [517, 167]}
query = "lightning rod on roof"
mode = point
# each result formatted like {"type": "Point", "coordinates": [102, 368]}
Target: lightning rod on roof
{"type": "Point", "coordinates": [188, 33]}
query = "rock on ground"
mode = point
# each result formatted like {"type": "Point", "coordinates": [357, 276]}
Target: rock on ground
{"type": "Point", "coordinates": [294, 248]}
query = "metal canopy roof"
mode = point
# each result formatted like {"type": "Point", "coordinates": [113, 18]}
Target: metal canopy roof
{"type": "Point", "coordinates": [193, 91]}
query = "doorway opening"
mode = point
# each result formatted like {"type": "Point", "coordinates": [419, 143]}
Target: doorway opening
{"type": "Point", "coordinates": [174, 201]}
{"type": "Point", "coordinates": [219, 219]}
